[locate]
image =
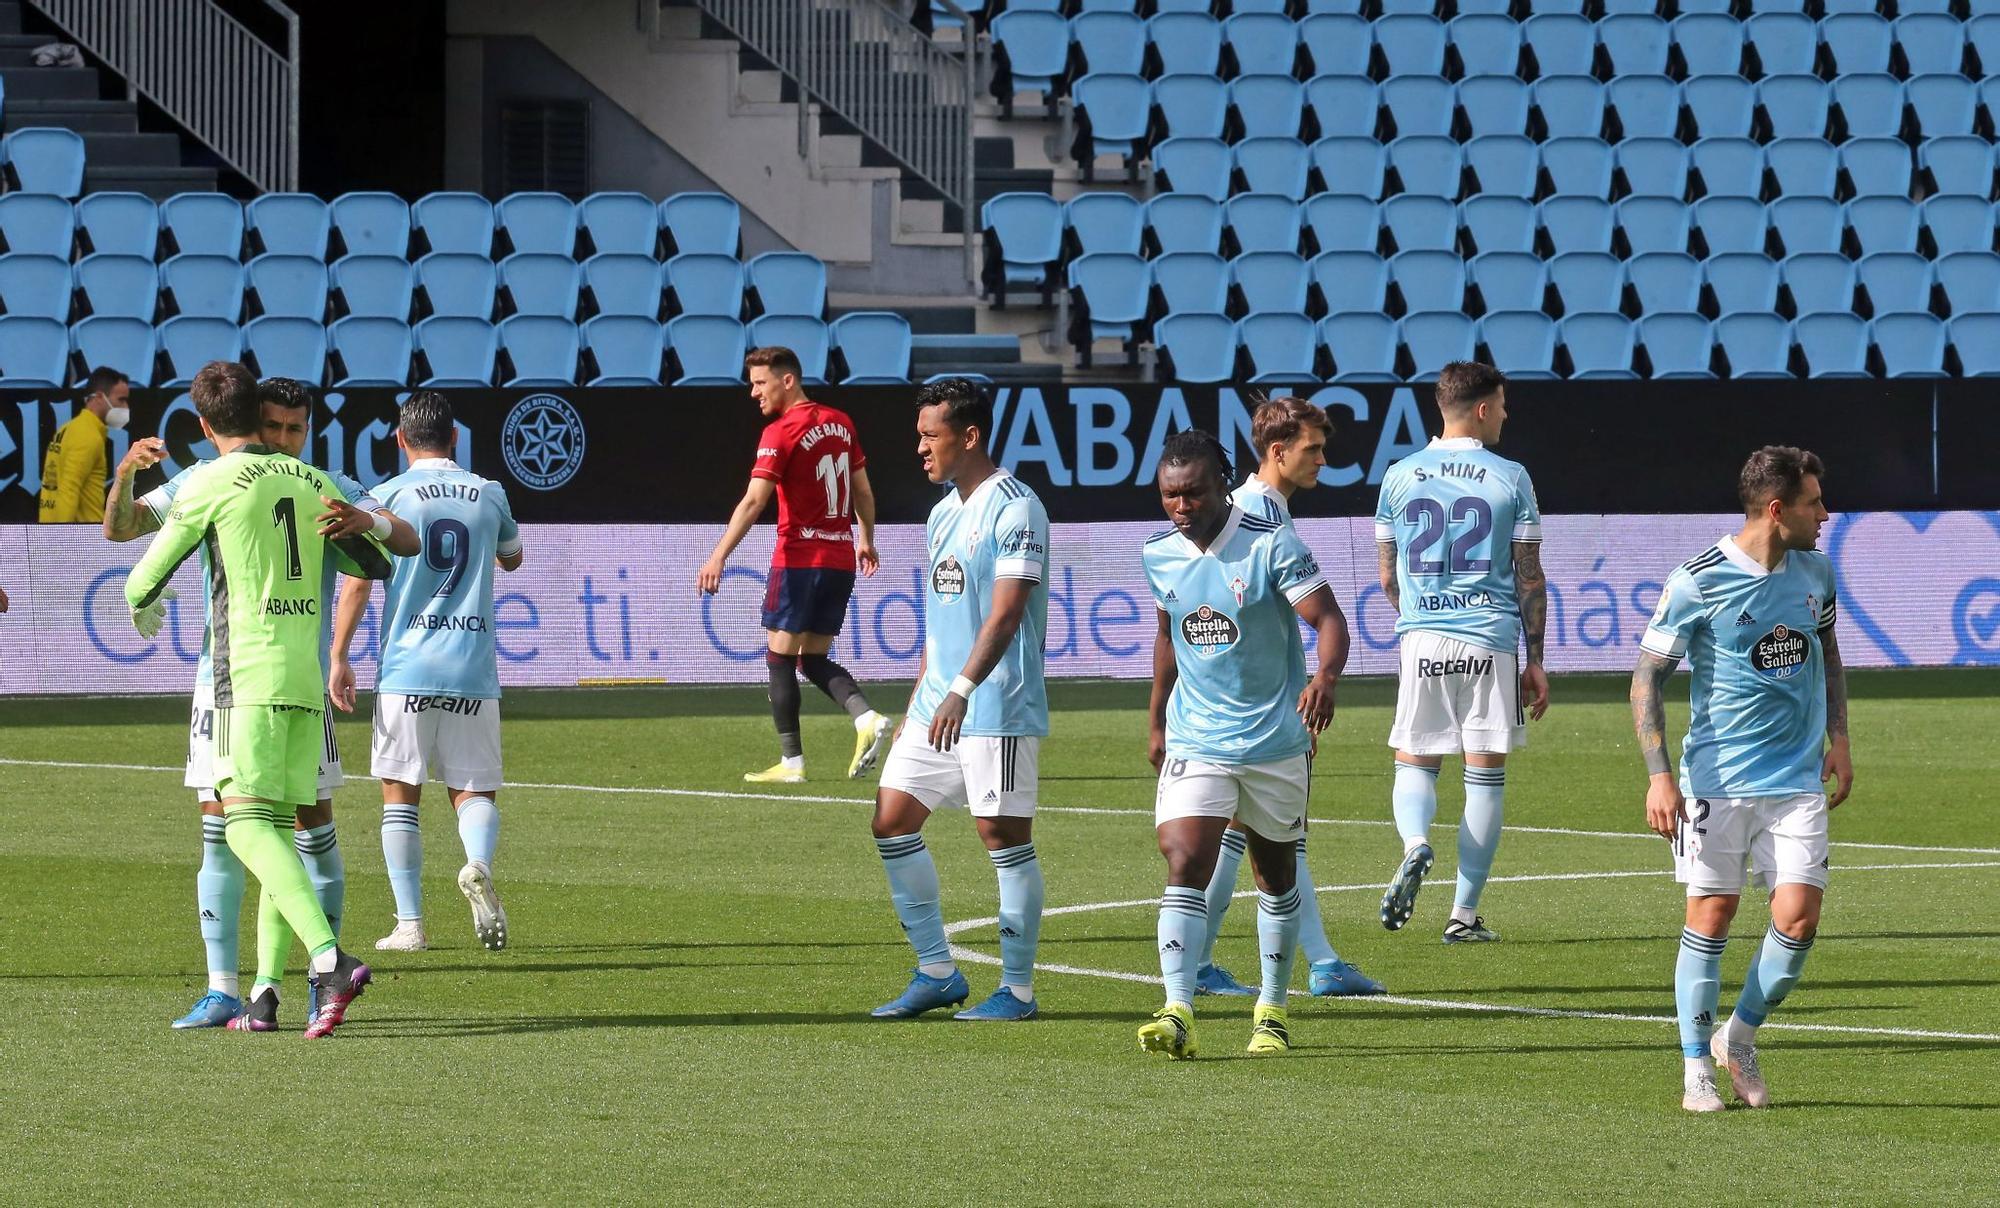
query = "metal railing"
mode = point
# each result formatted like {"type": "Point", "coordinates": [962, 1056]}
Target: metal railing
{"type": "Point", "coordinates": [209, 72]}
{"type": "Point", "coordinates": [863, 60]}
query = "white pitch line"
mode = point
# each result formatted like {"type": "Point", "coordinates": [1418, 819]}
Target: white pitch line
{"type": "Point", "coordinates": [961, 952]}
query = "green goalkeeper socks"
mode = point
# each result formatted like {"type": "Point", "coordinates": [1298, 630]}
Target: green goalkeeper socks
{"type": "Point", "coordinates": [274, 940]}
{"type": "Point", "coordinates": [260, 835]}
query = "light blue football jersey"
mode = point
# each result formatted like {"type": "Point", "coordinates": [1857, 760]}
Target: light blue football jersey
{"type": "Point", "coordinates": [1752, 641]}
{"type": "Point", "coordinates": [1260, 499]}
{"type": "Point", "coordinates": [1454, 510]}
{"type": "Point", "coordinates": [437, 625]}
{"type": "Point", "coordinates": [1000, 532]}
{"type": "Point", "coordinates": [1236, 639]}
{"type": "Point", "coordinates": [160, 501]}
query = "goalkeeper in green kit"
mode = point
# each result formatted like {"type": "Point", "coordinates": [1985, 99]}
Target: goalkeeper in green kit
{"type": "Point", "coordinates": [253, 507]}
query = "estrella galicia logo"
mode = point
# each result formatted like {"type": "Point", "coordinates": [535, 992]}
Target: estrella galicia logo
{"type": "Point", "coordinates": [948, 580]}
{"type": "Point", "coordinates": [1780, 653]}
{"type": "Point", "coordinates": [542, 442]}
{"type": "Point", "coordinates": [1209, 630]}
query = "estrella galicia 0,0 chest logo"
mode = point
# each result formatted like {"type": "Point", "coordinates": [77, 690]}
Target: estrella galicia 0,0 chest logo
{"type": "Point", "coordinates": [1781, 653]}
{"type": "Point", "coordinates": [1209, 630]}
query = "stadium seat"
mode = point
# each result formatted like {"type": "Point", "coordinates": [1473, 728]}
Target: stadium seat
{"type": "Point", "coordinates": [1795, 106]}
{"type": "Point", "coordinates": [1411, 44]}
{"type": "Point", "coordinates": [701, 222]}
{"type": "Point", "coordinates": [1757, 343]}
{"type": "Point", "coordinates": [1487, 44]}
{"type": "Point", "coordinates": [1429, 280]}
{"type": "Point", "coordinates": [1497, 223]}
{"type": "Point", "coordinates": [1419, 223]}
{"type": "Point", "coordinates": [1339, 223]}
{"type": "Point", "coordinates": [1419, 105]}
{"type": "Point", "coordinates": [1113, 289]}
{"type": "Point", "coordinates": [38, 286]}
{"type": "Point", "coordinates": [1742, 281]}
{"type": "Point", "coordinates": [1957, 164]}
{"type": "Point", "coordinates": [543, 350]}
{"type": "Point", "coordinates": [1856, 42]}
{"type": "Point", "coordinates": [1192, 281]}
{"type": "Point", "coordinates": [1268, 105]}
{"type": "Point", "coordinates": [1878, 166]}
{"type": "Point", "coordinates": [1270, 281]}
{"type": "Point", "coordinates": [1263, 222]}
{"type": "Point", "coordinates": [1653, 224]}
{"type": "Point", "coordinates": [1278, 347]}
{"type": "Point", "coordinates": [37, 224]}
{"type": "Point", "coordinates": [1261, 43]}
{"type": "Point", "coordinates": [1202, 346]}
{"type": "Point", "coordinates": [1819, 282]}
{"type": "Point", "coordinates": [1588, 281]}
{"type": "Point", "coordinates": [1871, 106]}
{"type": "Point", "coordinates": [1196, 106]}
{"type": "Point", "coordinates": [191, 341]}
{"type": "Point", "coordinates": [287, 346]}
{"type": "Point", "coordinates": [1678, 345]}
{"type": "Point", "coordinates": [1343, 105]}
{"type": "Point", "coordinates": [287, 224]}
{"type": "Point", "coordinates": [628, 350]}
{"type": "Point", "coordinates": [113, 284]}
{"type": "Point", "coordinates": [460, 350]}
{"type": "Point", "coordinates": [707, 349]}
{"type": "Point", "coordinates": [1507, 164]}
{"type": "Point", "coordinates": [1337, 43]}
{"type": "Point", "coordinates": [702, 283]}
{"type": "Point", "coordinates": [1113, 113]}
{"type": "Point", "coordinates": [1105, 222]}
{"type": "Point", "coordinates": [1109, 41]}
{"type": "Point", "coordinates": [1834, 344]}
{"type": "Point", "coordinates": [620, 224]}
{"type": "Point", "coordinates": [1509, 280]}
{"type": "Point", "coordinates": [537, 222]}
{"type": "Point", "coordinates": [1600, 345]}
{"type": "Point", "coordinates": [1520, 343]}
{"type": "Point", "coordinates": [44, 159]}
{"type": "Point", "coordinates": [1982, 32]}
{"type": "Point", "coordinates": [1805, 224]}
{"type": "Point", "coordinates": [1194, 165]}
{"type": "Point", "coordinates": [1030, 50]}
{"type": "Point", "coordinates": [1930, 42]}
{"type": "Point", "coordinates": [1187, 222]}
{"type": "Point", "coordinates": [1911, 345]}
{"type": "Point", "coordinates": [1578, 166]}
{"type": "Point", "coordinates": [1728, 167]}
{"type": "Point", "coordinates": [1943, 104]}
{"type": "Point", "coordinates": [1808, 167]}
{"type": "Point", "coordinates": [1644, 106]}
{"type": "Point", "coordinates": [454, 222]}
{"type": "Point", "coordinates": [1653, 167]}
{"type": "Point", "coordinates": [374, 286]}
{"type": "Point", "coordinates": [115, 342]}
{"type": "Point", "coordinates": [1023, 241]}
{"type": "Point", "coordinates": [1185, 42]}
{"type": "Point", "coordinates": [1274, 165]}
{"type": "Point", "coordinates": [1970, 280]}
{"type": "Point", "coordinates": [1896, 281]}
{"type": "Point", "coordinates": [1561, 43]}
{"type": "Point", "coordinates": [372, 351]}
{"type": "Point", "coordinates": [1784, 43]}
{"type": "Point", "coordinates": [1883, 224]}
{"type": "Point", "coordinates": [205, 224]}
{"type": "Point", "coordinates": [1353, 166]}
{"type": "Point", "coordinates": [372, 224]}
{"type": "Point", "coordinates": [1362, 346]}
{"type": "Point", "coordinates": [875, 346]}
{"type": "Point", "coordinates": [287, 286]}
{"type": "Point", "coordinates": [1976, 337]}
{"type": "Point", "coordinates": [1959, 223]}
{"type": "Point", "coordinates": [807, 337]}
{"type": "Point", "coordinates": [787, 283]}
{"type": "Point", "coordinates": [1636, 43]}
{"type": "Point", "coordinates": [1576, 224]}
{"type": "Point", "coordinates": [459, 284]}
{"type": "Point", "coordinates": [1350, 282]}
{"type": "Point", "coordinates": [117, 224]}
{"type": "Point", "coordinates": [1570, 106]}
{"type": "Point", "coordinates": [1494, 105]}
{"type": "Point", "coordinates": [1428, 165]}
{"type": "Point", "coordinates": [33, 351]}
{"type": "Point", "coordinates": [1708, 43]}
{"type": "Point", "coordinates": [207, 287]}
{"type": "Point", "coordinates": [1435, 339]}
{"type": "Point", "coordinates": [626, 283]}
{"type": "Point", "coordinates": [1665, 281]}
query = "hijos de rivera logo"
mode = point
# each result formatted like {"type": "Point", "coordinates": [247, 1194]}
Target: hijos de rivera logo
{"type": "Point", "coordinates": [542, 442]}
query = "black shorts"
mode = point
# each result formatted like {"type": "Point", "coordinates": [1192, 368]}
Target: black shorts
{"type": "Point", "coordinates": [807, 599]}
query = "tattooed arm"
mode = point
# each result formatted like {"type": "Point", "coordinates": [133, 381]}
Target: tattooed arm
{"type": "Point", "coordinates": [1839, 763]}
{"type": "Point", "coordinates": [1533, 588]}
{"type": "Point", "coordinates": [1386, 553]}
{"type": "Point", "coordinates": [1664, 803]}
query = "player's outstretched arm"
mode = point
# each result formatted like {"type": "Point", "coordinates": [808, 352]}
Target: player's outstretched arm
{"type": "Point", "coordinates": [1532, 584]}
{"type": "Point", "coordinates": [343, 519]}
{"type": "Point", "coordinates": [1010, 604]}
{"type": "Point", "coordinates": [124, 519]}
{"type": "Point", "coordinates": [177, 541]}
{"type": "Point", "coordinates": [1385, 555]}
{"type": "Point", "coordinates": [1839, 762]}
{"type": "Point", "coordinates": [1320, 610]}
{"type": "Point", "coordinates": [1664, 804]}
{"type": "Point", "coordinates": [751, 506]}
{"type": "Point", "coordinates": [1166, 673]}
{"type": "Point", "coordinates": [866, 560]}
{"type": "Point", "coordinates": [347, 614]}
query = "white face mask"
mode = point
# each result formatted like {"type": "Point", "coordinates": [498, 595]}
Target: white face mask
{"type": "Point", "coordinates": [117, 417]}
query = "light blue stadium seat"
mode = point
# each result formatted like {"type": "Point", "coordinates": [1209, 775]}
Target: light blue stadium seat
{"type": "Point", "coordinates": [628, 350]}
{"type": "Point", "coordinates": [1808, 167]}
{"type": "Point", "coordinates": [1264, 222]}
{"type": "Point", "coordinates": [1784, 43]}
{"type": "Point", "coordinates": [1562, 43]}
{"type": "Point", "coordinates": [874, 345]}
{"type": "Point", "coordinates": [1185, 222]}
{"type": "Point", "coordinates": [1983, 33]}
{"type": "Point", "coordinates": [1796, 106]}
{"type": "Point", "coordinates": [114, 342]}
{"type": "Point", "coordinates": [118, 224]}
{"type": "Point", "coordinates": [1270, 281]}
{"type": "Point", "coordinates": [1708, 43]}
{"type": "Point", "coordinates": [1105, 222]}
{"type": "Point", "coordinates": [1363, 346]}
{"type": "Point", "coordinates": [205, 224]}
{"type": "Point", "coordinates": [44, 159]}
{"type": "Point", "coordinates": [1834, 344]}
{"type": "Point", "coordinates": [460, 350]}
{"type": "Point", "coordinates": [1192, 281]}
{"type": "Point", "coordinates": [1113, 289]}
{"type": "Point", "coordinates": [805, 336]}
{"type": "Point", "coordinates": [374, 286]}
{"type": "Point", "coordinates": [1877, 166]}
{"type": "Point", "coordinates": [114, 284]}
{"type": "Point", "coordinates": [1279, 348]}
{"type": "Point", "coordinates": [620, 224]}
{"type": "Point", "coordinates": [1508, 164]}
{"type": "Point", "coordinates": [1959, 223]}
{"type": "Point", "coordinates": [1344, 105]}
{"type": "Point", "coordinates": [454, 222]}
{"type": "Point", "coordinates": [1268, 105]}
{"type": "Point", "coordinates": [1193, 106]}
{"type": "Point", "coordinates": [1494, 105]}
{"type": "Point", "coordinates": [372, 351]}
{"type": "Point", "coordinates": [1576, 224]}
{"type": "Point", "coordinates": [1600, 345]}
{"type": "Point", "coordinates": [1930, 42]}
{"type": "Point", "coordinates": [1665, 281]}
{"type": "Point", "coordinates": [191, 341]}
{"type": "Point", "coordinates": [1970, 280]}
{"type": "Point", "coordinates": [1509, 280]}
{"type": "Point", "coordinates": [1492, 7]}
{"type": "Point", "coordinates": [1337, 43]}
{"type": "Point", "coordinates": [1884, 224]}
{"type": "Point", "coordinates": [1871, 106]}
{"type": "Point", "coordinates": [1487, 44]}
{"type": "Point", "coordinates": [1340, 223]}
{"type": "Point", "coordinates": [1194, 165]}
{"type": "Point", "coordinates": [1190, 42]}
{"type": "Point", "coordinates": [702, 283]}
{"type": "Point", "coordinates": [1570, 106]}
{"type": "Point", "coordinates": [1643, 7]}
{"type": "Point", "coordinates": [1643, 106]}
{"type": "Point", "coordinates": [1114, 112]}
{"type": "Point", "coordinates": [1911, 345]}
{"type": "Point", "coordinates": [1110, 41]}
{"type": "Point", "coordinates": [1679, 345]}
{"type": "Point", "coordinates": [1896, 281]}
{"type": "Point", "coordinates": [1260, 6]}
{"type": "Point", "coordinates": [1976, 337]}
{"type": "Point", "coordinates": [1261, 43]}
{"type": "Point", "coordinates": [1420, 105]}
{"type": "Point", "coordinates": [34, 351]}
{"type": "Point", "coordinates": [1435, 339]}
{"type": "Point", "coordinates": [1428, 165]}
{"type": "Point", "coordinates": [1728, 167]}
{"type": "Point", "coordinates": [1653, 224]}
{"type": "Point", "coordinates": [1273, 165]}
{"type": "Point", "coordinates": [708, 350]}
{"type": "Point", "coordinates": [1636, 43]}
{"type": "Point", "coordinates": [1411, 43]}
{"type": "Point", "coordinates": [287, 346]}
{"type": "Point", "coordinates": [1944, 104]}
{"type": "Point", "coordinates": [1742, 281]}
{"type": "Point", "coordinates": [1856, 41]}
{"type": "Point", "coordinates": [702, 222]}
{"type": "Point", "coordinates": [1031, 49]}
{"type": "Point", "coordinates": [1653, 167]}
{"type": "Point", "coordinates": [1202, 346]}
{"type": "Point", "coordinates": [543, 350]}
{"type": "Point", "coordinates": [1579, 166]}
{"type": "Point", "coordinates": [207, 287]}
{"type": "Point", "coordinates": [1520, 343]}
{"type": "Point", "coordinates": [1350, 282]}
{"type": "Point", "coordinates": [1954, 164]}
{"type": "Point", "coordinates": [372, 224]}
{"type": "Point", "coordinates": [288, 286]}
{"type": "Point", "coordinates": [37, 224]}
{"type": "Point", "coordinates": [1588, 281]}
{"type": "Point", "coordinates": [787, 283]}
{"type": "Point", "coordinates": [537, 222]}
{"type": "Point", "coordinates": [1421, 7]}
{"type": "Point", "coordinates": [1417, 222]}
{"type": "Point", "coordinates": [1023, 241]}
{"type": "Point", "coordinates": [1819, 282]}
{"type": "Point", "coordinates": [38, 286]}
{"type": "Point", "coordinates": [1805, 224]}
{"type": "Point", "coordinates": [626, 283]}
{"type": "Point", "coordinates": [1429, 280]}
{"type": "Point", "coordinates": [1757, 343]}
{"type": "Point", "coordinates": [1494, 222]}
{"type": "Point", "coordinates": [459, 284]}
{"type": "Point", "coordinates": [1353, 166]}
{"type": "Point", "coordinates": [288, 224]}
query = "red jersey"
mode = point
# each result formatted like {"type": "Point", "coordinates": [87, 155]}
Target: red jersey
{"type": "Point", "coordinates": [811, 452]}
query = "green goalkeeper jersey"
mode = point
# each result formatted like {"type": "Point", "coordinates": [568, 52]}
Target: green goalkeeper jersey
{"type": "Point", "coordinates": [254, 510]}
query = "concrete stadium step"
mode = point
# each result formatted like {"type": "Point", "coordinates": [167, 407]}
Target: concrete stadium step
{"type": "Point", "coordinates": [158, 183]}
{"type": "Point", "coordinates": [84, 117]}
{"type": "Point", "coordinates": [130, 150]}
{"type": "Point", "coordinates": [50, 83]}
{"type": "Point", "coordinates": [10, 18]}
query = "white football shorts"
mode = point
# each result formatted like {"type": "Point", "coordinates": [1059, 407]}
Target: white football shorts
{"type": "Point", "coordinates": [200, 774]}
{"type": "Point", "coordinates": [991, 776]}
{"type": "Point", "coordinates": [1269, 798]}
{"type": "Point", "coordinates": [457, 735]}
{"type": "Point", "coordinates": [1453, 697]}
{"type": "Point", "coordinates": [1782, 839]}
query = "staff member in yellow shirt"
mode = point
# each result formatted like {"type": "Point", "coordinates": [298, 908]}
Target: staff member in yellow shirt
{"type": "Point", "coordinates": [77, 464]}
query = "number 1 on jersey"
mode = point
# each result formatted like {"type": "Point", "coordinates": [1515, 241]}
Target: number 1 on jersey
{"type": "Point", "coordinates": [832, 473]}
{"type": "Point", "coordinates": [285, 515]}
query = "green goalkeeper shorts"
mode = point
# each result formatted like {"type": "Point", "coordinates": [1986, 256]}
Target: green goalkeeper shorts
{"type": "Point", "coordinates": [269, 752]}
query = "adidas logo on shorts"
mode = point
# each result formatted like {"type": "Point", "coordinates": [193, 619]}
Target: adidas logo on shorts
{"type": "Point", "coordinates": [989, 798]}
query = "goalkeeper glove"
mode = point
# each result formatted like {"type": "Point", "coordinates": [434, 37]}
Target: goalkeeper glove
{"type": "Point", "coordinates": [148, 620]}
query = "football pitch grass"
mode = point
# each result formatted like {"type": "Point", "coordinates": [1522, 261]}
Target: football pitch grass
{"type": "Point", "coordinates": [682, 1015]}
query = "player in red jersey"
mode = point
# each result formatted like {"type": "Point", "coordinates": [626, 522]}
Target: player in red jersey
{"type": "Point", "coordinates": [810, 458]}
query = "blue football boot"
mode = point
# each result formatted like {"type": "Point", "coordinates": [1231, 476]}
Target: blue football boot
{"type": "Point", "coordinates": [1214, 979]}
{"type": "Point", "coordinates": [1001, 1006]}
{"type": "Point", "coordinates": [212, 1010]}
{"type": "Point", "coordinates": [1399, 901]}
{"type": "Point", "coordinates": [1338, 979]}
{"type": "Point", "coordinates": [925, 993]}
{"type": "Point", "coordinates": [312, 999]}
